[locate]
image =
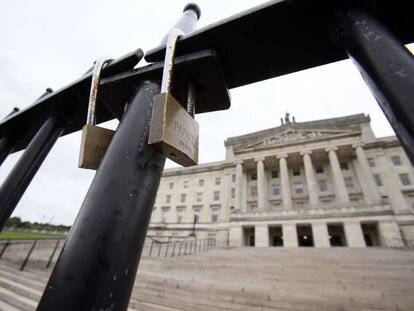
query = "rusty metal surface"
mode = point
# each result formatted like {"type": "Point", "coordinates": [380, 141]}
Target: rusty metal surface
{"type": "Point", "coordinates": [281, 37]}
{"type": "Point", "coordinates": [70, 101]}
{"type": "Point", "coordinates": [203, 68]}
{"type": "Point", "coordinates": [173, 131]}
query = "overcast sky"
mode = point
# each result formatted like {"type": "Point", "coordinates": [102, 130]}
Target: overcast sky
{"type": "Point", "coordinates": [49, 43]}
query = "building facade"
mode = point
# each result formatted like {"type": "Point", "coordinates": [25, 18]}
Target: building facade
{"type": "Point", "coordinates": [321, 183]}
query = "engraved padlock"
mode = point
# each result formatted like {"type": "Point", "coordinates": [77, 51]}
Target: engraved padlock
{"type": "Point", "coordinates": [173, 129]}
{"type": "Point", "coordinates": [95, 140]}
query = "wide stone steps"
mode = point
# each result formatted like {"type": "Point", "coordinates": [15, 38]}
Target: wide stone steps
{"type": "Point", "coordinates": [252, 279]}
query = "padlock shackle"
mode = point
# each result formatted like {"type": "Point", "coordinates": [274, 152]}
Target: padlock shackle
{"type": "Point", "coordinates": [167, 72]}
{"type": "Point", "coordinates": [188, 20]}
{"type": "Point", "coordinates": [96, 74]}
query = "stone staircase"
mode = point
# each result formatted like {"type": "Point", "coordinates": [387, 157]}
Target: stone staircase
{"type": "Point", "coordinates": [252, 279]}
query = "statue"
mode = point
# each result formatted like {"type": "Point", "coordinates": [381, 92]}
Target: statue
{"type": "Point", "coordinates": [287, 117]}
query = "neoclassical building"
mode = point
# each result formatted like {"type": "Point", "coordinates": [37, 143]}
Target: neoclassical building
{"type": "Point", "coordinates": [321, 183]}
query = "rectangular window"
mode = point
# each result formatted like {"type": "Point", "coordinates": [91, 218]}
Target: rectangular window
{"type": "Point", "coordinates": [180, 213]}
{"type": "Point", "coordinates": [201, 182]}
{"type": "Point", "coordinates": [319, 170]}
{"type": "Point", "coordinates": [298, 187]}
{"type": "Point", "coordinates": [275, 174]}
{"type": "Point", "coordinates": [253, 192]}
{"type": "Point", "coordinates": [349, 183]}
{"type": "Point", "coordinates": [405, 179]}
{"type": "Point", "coordinates": [326, 203]}
{"type": "Point", "coordinates": [214, 215]}
{"type": "Point", "coordinates": [216, 195]}
{"type": "Point", "coordinates": [276, 205]}
{"type": "Point", "coordinates": [171, 185]}
{"type": "Point", "coordinates": [275, 190]}
{"type": "Point", "coordinates": [411, 201]}
{"type": "Point", "coordinates": [183, 197]}
{"type": "Point", "coordinates": [296, 172]}
{"type": "Point", "coordinates": [168, 198]}
{"type": "Point", "coordinates": [233, 178]}
{"type": "Point", "coordinates": [323, 185]}
{"type": "Point", "coordinates": [371, 162]}
{"type": "Point", "coordinates": [164, 212]}
{"type": "Point", "coordinates": [199, 196]}
{"type": "Point", "coordinates": [300, 205]}
{"type": "Point", "coordinates": [344, 166]}
{"type": "Point", "coordinates": [396, 160]}
{"type": "Point", "coordinates": [233, 193]}
{"type": "Point", "coordinates": [253, 176]}
{"type": "Point", "coordinates": [378, 180]}
{"type": "Point", "coordinates": [185, 184]}
{"type": "Point", "coordinates": [218, 181]}
{"type": "Point", "coordinates": [197, 215]}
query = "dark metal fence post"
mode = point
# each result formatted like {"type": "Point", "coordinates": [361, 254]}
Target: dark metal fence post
{"type": "Point", "coordinates": [53, 254]}
{"type": "Point", "coordinates": [173, 251]}
{"type": "Point", "coordinates": [23, 172]}
{"type": "Point", "coordinates": [5, 148]}
{"type": "Point", "coordinates": [159, 249]}
{"type": "Point", "coordinates": [150, 250]}
{"type": "Point", "coordinates": [387, 67]}
{"type": "Point", "coordinates": [28, 255]}
{"type": "Point", "coordinates": [166, 249]}
{"type": "Point", "coordinates": [97, 270]}
{"type": "Point", "coordinates": [4, 248]}
{"type": "Point", "coordinates": [185, 249]}
{"type": "Point", "coordinates": [179, 250]}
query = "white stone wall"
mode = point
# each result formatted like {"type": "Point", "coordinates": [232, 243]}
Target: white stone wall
{"type": "Point", "coordinates": [353, 233]}
{"type": "Point", "coordinates": [320, 234]}
{"type": "Point", "coordinates": [345, 211]}
{"type": "Point", "coordinates": [261, 235]}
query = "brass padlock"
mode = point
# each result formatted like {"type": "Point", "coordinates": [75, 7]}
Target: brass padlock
{"type": "Point", "coordinates": [173, 129]}
{"type": "Point", "coordinates": [95, 140]}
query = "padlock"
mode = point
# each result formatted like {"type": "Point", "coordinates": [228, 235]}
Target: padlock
{"type": "Point", "coordinates": [173, 129]}
{"type": "Point", "coordinates": [95, 140]}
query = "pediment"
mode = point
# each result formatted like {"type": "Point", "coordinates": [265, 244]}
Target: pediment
{"type": "Point", "coordinates": [292, 136]}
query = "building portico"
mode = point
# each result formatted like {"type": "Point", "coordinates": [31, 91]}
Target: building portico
{"type": "Point", "coordinates": [326, 183]}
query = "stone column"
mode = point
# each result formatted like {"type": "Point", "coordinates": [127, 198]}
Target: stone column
{"type": "Point", "coordinates": [341, 191]}
{"type": "Point", "coordinates": [236, 236]}
{"type": "Point", "coordinates": [261, 234]}
{"type": "Point", "coordinates": [290, 235]}
{"type": "Point", "coordinates": [368, 185]}
{"type": "Point", "coordinates": [239, 185]}
{"type": "Point", "coordinates": [285, 182]}
{"type": "Point", "coordinates": [310, 179]}
{"type": "Point", "coordinates": [353, 234]}
{"type": "Point", "coordinates": [390, 234]}
{"type": "Point", "coordinates": [261, 185]}
{"type": "Point", "coordinates": [321, 235]}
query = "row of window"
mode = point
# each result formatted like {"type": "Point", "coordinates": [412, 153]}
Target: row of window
{"type": "Point", "coordinates": [296, 171]}
{"type": "Point", "coordinates": [323, 185]}
{"type": "Point", "coordinates": [404, 179]}
{"type": "Point", "coordinates": [201, 182]}
{"type": "Point", "coordinates": [297, 186]}
{"type": "Point", "coordinates": [199, 197]}
{"type": "Point", "coordinates": [196, 215]}
{"type": "Point", "coordinates": [395, 160]}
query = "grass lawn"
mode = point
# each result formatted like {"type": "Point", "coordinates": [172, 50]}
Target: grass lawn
{"type": "Point", "coordinates": [12, 235]}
